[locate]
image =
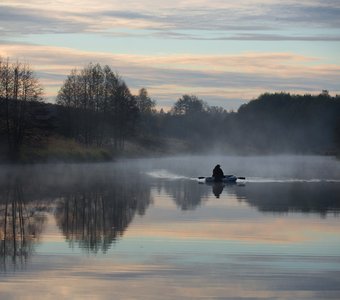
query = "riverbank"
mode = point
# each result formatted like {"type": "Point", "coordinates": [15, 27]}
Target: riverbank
{"type": "Point", "coordinates": [59, 149]}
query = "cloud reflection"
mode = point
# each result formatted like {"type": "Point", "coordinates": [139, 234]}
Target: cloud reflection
{"type": "Point", "coordinates": [175, 248]}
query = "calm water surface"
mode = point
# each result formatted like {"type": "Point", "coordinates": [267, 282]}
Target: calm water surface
{"type": "Point", "coordinates": [148, 229]}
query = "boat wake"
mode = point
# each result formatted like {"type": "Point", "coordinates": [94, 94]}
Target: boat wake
{"type": "Point", "coordinates": [164, 174]}
{"type": "Point", "coordinates": [288, 180]}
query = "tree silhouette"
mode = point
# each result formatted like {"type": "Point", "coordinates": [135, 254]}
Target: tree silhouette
{"type": "Point", "coordinates": [100, 107]}
{"type": "Point", "coordinates": [18, 87]}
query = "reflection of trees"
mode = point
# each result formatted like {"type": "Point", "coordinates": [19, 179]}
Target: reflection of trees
{"type": "Point", "coordinates": [93, 204]}
{"type": "Point", "coordinates": [321, 198]}
{"type": "Point", "coordinates": [95, 216]}
{"type": "Point", "coordinates": [21, 223]}
{"type": "Point", "coordinates": [187, 194]}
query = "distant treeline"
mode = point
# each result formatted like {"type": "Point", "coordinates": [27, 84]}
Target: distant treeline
{"type": "Point", "coordinates": [272, 123]}
{"type": "Point", "coordinates": [95, 110]}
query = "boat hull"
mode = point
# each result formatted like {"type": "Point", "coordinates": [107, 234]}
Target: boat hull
{"type": "Point", "coordinates": [227, 178]}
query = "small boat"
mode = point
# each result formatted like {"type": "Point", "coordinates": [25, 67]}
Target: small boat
{"type": "Point", "coordinates": [226, 179]}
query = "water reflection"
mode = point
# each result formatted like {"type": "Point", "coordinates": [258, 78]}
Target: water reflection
{"type": "Point", "coordinates": [284, 197]}
{"type": "Point", "coordinates": [93, 217]}
{"type": "Point", "coordinates": [92, 210]}
{"type": "Point", "coordinates": [189, 244]}
{"type": "Point", "coordinates": [94, 205]}
{"type": "Point", "coordinates": [320, 198]}
{"type": "Point", "coordinates": [185, 193]}
{"type": "Point", "coordinates": [21, 223]}
{"type": "Point", "coordinates": [218, 187]}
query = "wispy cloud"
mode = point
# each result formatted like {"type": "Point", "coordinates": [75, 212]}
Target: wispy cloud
{"type": "Point", "coordinates": [18, 20]}
{"type": "Point", "coordinates": [226, 79]}
{"type": "Point", "coordinates": [214, 78]}
{"type": "Point", "coordinates": [246, 20]}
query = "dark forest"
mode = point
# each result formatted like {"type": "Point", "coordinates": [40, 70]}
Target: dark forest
{"type": "Point", "coordinates": [97, 118]}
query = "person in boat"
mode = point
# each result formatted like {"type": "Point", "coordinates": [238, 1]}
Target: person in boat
{"type": "Point", "coordinates": [217, 173]}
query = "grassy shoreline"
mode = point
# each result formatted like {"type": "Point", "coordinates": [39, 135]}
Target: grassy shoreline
{"type": "Point", "coordinates": [57, 149]}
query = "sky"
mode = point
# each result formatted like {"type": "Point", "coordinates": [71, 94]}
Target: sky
{"type": "Point", "coordinates": [225, 52]}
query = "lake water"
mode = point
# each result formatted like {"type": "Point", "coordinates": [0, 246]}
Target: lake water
{"type": "Point", "coordinates": [148, 229]}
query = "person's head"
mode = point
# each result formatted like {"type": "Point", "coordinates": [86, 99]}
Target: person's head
{"type": "Point", "coordinates": [218, 166]}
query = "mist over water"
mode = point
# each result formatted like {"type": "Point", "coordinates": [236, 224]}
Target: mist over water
{"type": "Point", "coordinates": [255, 168]}
{"type": "Point", "coordinates": [109, 226]}
{"type": "Point", "coordinates": [280, 167]}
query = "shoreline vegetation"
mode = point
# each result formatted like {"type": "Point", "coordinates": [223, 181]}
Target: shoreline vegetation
{"type": "Point", "coordinates": [96, 118]}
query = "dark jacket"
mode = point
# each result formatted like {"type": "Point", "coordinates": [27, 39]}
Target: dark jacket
{"type": "Point", "coordinates": [218, 173]}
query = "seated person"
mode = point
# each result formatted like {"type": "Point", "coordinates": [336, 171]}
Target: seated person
{"type": "Point", "coordinates": [218, 173]}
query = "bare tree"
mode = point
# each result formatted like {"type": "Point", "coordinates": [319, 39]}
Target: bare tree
{"type": "Point", "coordinates": [106, 110]}
{"type": "Point", "coordinates": [18, 86]}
